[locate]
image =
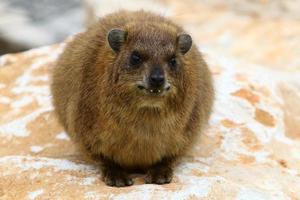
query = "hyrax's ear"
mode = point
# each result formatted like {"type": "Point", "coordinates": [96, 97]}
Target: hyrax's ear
{"type": "Point", "coordinates": [184, 42]}
{"type": "Point", "coordinates": [116, 37]}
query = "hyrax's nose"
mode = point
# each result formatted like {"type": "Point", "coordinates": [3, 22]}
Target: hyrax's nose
{"type": "Point", "coordinates": [156, 78]}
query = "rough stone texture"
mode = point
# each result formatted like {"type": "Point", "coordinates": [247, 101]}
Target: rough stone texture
{"type": "Point", "coordinates": [250, 150]}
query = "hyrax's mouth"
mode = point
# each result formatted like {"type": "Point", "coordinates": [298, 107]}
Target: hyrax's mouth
{"type": "Point", "coordinates": [154, 91]}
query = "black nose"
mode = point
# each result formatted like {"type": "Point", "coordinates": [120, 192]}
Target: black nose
{"type": "Point", "coordinates": [156, 78]}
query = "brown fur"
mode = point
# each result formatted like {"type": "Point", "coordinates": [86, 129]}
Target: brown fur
{"type": "Point", "coordinates": [110, 119]}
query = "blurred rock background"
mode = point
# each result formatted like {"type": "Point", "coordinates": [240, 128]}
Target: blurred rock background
{"type": "Point", "coordinates": [25, 24]}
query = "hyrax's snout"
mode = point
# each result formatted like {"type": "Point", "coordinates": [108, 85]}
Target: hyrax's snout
{"type": "Point", "coordinates": [157, 81]}
{"type": "Point", "coordinates": [156, 78]}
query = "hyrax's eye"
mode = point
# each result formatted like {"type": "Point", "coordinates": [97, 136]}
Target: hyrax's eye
{"type": "Point", "coordinates": [135, 59]}
{"type": "Point", "coordinates": [173, 62]}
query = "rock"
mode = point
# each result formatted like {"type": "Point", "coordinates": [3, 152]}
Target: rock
{"type": "Point", "coordinates": [33, 23]}
{"type": "Point", "coordinates": [250, 150]}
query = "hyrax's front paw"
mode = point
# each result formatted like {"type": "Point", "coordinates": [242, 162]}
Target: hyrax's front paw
{"type": "Point", "coordinates": [159, 175]}
{"type": "Point", "coordinates": [116, 177]}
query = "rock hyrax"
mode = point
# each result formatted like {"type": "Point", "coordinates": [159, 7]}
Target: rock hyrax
{"type": "Point", "coordinates": [133, 92]}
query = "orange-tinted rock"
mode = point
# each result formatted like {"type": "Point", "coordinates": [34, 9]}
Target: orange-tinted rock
{"type": "Point", "coordinates": [291, 108]}
{"type": "Point", "coordinates": [244, 159]}
{"type": "Point", "coordinates": [247, 95]}
{"type": "Point", "coordinates": [228, 123]}
{"type": "Point", "coordinates": [264, 117]}
{"type": "Point", "coordinates": [250, 140]}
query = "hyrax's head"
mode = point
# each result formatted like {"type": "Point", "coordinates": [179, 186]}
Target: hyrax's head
{"type": "Point", "coordinates": [149, 60]}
